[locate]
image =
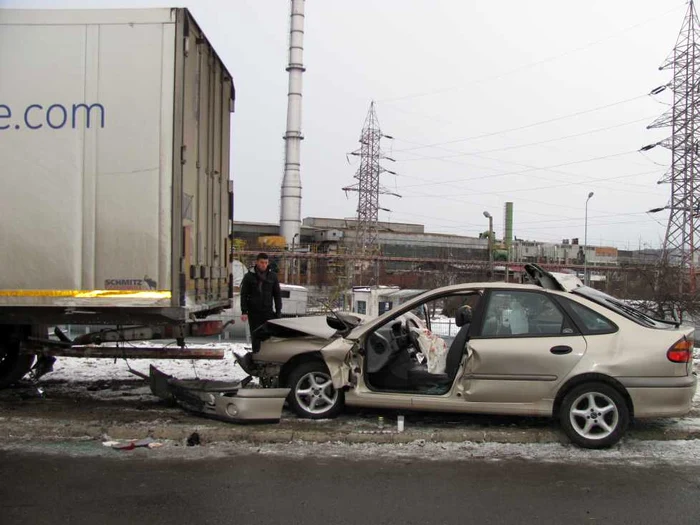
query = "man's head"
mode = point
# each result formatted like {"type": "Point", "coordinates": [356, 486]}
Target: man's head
{"type": "Point", "coordinates": [261, 262]}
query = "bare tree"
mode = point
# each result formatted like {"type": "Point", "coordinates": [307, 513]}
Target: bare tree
{"type": "Point", "coordinates": [657, 288]}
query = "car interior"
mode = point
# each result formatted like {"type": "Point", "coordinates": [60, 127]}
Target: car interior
{"type": "Point", "coordinates": [398, 353]}
{"type": "Point", "coordinates": [513, 313]}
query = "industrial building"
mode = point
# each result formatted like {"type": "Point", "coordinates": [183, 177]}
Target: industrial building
{"type": "Point", "coordinates": [410, 257]}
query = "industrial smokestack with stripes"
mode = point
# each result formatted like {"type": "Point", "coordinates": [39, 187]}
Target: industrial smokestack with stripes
{"type": "Point", "coordinates": [290, 209]}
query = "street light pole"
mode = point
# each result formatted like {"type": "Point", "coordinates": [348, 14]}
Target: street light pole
{"type": "Point", "coordinates": [585, 243]}
{"type": "Point", "coordinates": [490, 218]}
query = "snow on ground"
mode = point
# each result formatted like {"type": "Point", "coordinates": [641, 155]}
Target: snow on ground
{"type": "Point", "coordinates": [79, 369]}
{"type": "Point", "coordinates": [628, 452]}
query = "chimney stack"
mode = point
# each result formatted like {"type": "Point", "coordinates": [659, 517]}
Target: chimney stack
{"type": "Point", "coordinates": [290, 209]}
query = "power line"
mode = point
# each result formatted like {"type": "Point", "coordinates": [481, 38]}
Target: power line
{"type": "Point", "coordinates": [451, 197]}
{"type": "Point", "coordinates": [433, 182]}
{"type": "Point", "coordinates": [527, 170]}
{"type": "Point", "coordinates": [481, 167]}
{"type": "Point", "coordinates": [517, 146]}
{"type": "Point", "coordinates": [531, 64]}
{"type": "Point", "coordinates": [527, 126]}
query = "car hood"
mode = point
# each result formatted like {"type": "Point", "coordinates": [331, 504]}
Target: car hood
{"type": "Point", "coordinates": [320, 325]}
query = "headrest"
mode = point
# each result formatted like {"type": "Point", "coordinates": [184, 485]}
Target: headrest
{"type": "Point", "coordinates": [463, 315]}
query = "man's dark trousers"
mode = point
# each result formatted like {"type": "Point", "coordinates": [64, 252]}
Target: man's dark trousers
{"type": "Point", "coordinates": [256, 320]}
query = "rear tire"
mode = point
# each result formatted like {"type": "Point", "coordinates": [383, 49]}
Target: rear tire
{"type": "Point", "coordinates": [594, 415]}
{"type": "Point", "coordinates": [313, 395]}
{"type": "Point", "coordinates": [13, 366]}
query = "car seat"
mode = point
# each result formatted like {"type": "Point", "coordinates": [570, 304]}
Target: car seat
{"type": "Point", "coordinates": [419, 375]}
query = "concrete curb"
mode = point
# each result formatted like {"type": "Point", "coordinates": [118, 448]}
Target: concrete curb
{"type": "Point", "coordinates": [14, 428]}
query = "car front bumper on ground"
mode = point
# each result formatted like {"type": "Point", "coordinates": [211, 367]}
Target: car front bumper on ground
{"type": "Point", "coordinates": [224, 400]}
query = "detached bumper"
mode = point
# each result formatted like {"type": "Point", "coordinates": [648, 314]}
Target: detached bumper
{"type": "Point", "coordinates": [223, 400]}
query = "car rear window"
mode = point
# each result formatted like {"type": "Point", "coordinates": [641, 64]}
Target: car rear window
{"type": "Point", "coordinates": [589, 321]}
{"type": "Point", "coordinates": [619, 307]}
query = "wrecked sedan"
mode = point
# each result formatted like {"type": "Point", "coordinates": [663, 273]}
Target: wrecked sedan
{"type": "Point", "coordinates": [553, 348]}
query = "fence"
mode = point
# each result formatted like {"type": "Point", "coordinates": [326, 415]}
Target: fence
{"type": "Point", "coordinates": [444, 327]}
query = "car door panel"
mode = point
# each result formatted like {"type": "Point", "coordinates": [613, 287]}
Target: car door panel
{"type": "Point", "coordinates": [518, 369]}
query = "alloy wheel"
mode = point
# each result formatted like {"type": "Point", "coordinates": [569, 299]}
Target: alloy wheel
{"type": "Point", "coordinates": [594, 415]}
{"type": "Point", "coordinates": [315, 393]}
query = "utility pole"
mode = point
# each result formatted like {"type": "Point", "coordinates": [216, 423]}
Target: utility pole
{"type": "Point", "coordinates": [585, 243]}
{"type": "Point", "coordinates": [368, 189]}
{"type": "Point", "coordinates": [490, 218]}
{"type": "Point", "coordinates": [683, 118]}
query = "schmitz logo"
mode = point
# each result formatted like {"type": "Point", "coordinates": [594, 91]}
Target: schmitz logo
{"type": "Point", "coordinates": [131, 284]}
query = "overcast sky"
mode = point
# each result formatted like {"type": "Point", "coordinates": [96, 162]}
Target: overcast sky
{"type": "Point", "coordinates": [537, 102]}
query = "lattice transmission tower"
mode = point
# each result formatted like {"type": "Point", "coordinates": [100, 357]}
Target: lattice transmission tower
{"type": "Point", "coordinates": [680, 245]}
{"type": "Point", "coordinates": [368, 187]}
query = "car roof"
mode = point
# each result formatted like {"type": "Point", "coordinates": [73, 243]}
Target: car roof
{"type": "Point", "coordinates": [481, 285]}
{"type": "Point", "coordinates": [436, 292]}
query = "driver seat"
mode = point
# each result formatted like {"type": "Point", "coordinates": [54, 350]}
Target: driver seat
{"type": "Point", "coordinates": [419, 375]}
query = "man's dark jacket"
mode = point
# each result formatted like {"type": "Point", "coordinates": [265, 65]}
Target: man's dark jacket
{"type": "Point", "coordinates": [260, 292]}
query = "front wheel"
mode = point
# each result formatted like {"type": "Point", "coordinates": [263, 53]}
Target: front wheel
{"type": "Point", "coordinates": [594, 415]}
{"type": "Point", "coordinates": [313, 395]}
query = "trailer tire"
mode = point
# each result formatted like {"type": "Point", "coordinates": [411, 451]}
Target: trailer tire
{"type": "Point", "coordinates": [13, 366]}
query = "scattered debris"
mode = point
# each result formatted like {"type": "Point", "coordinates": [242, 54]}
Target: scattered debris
{"type": "Point", "coordinates": [99, 385]}
{"type": "Point", "coordinates": [148, 442]}
{"type": "Point", "coordinates": [44, 365]}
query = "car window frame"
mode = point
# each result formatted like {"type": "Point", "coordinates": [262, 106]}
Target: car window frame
{"type": "Point", "coordinates": [401, 310]}
{"type": "Point", "coordinates": [565, 303]}
{"type": "Point", "coordinates": [398, 312]}
{"type": "Point", "coordinates": [486, 300]}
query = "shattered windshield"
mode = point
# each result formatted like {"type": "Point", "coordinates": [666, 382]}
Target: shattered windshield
{"type": "Point", "coordinates": [622, 308]}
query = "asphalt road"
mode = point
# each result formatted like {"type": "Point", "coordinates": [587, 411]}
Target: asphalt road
{"type": "Point", "coordinates": [256, 489]}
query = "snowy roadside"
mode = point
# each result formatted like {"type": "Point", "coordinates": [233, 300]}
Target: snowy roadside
{"type": "Point", "coordinates": [628, 452]}
{"type": "Point", "coordinates": [81, 370]}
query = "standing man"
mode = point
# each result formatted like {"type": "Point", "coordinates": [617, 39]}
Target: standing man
{"type": "Point", "coordinates": [260, 291]}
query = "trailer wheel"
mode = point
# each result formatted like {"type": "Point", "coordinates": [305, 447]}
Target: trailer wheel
{"type": "Point", "coordinates": [13, 366]}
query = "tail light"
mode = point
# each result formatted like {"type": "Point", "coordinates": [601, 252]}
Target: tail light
{"type": "Point", "coordinates": [681, 351]}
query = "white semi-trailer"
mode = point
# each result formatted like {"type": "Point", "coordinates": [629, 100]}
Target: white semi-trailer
{"type": "Point", "coordinates": [116, 200]}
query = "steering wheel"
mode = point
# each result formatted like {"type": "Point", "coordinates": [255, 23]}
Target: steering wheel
{"type": "Point", "coordinates": [379, 352]}
{"type": "Point", "coordinates": [412, 334]}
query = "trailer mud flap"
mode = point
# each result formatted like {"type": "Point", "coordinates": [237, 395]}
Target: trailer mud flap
{"type": "Point", "coordinates": [224, 400]}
